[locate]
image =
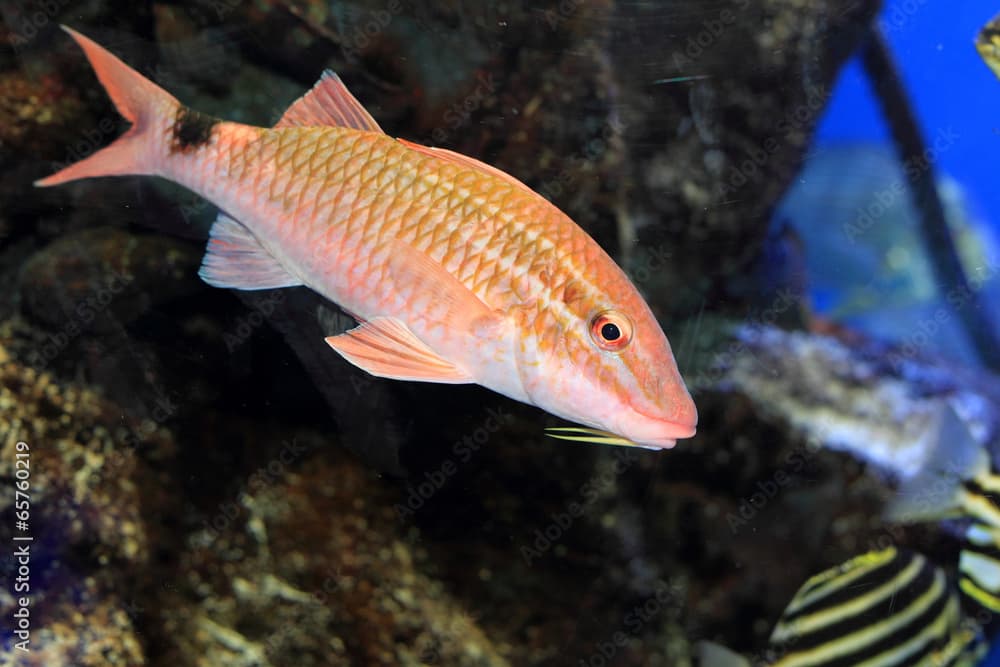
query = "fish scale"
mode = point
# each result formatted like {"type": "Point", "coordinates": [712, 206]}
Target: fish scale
{"type": "Point", "coordinates": [457, 271]}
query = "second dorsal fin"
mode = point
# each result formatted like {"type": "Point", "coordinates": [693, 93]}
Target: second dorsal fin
{"type": "Point", "coordinates": [466, 162]}
{"type": "Point", "coordinates": [329, 103]}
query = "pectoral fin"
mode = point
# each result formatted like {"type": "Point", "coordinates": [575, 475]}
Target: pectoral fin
{"type": "Point", "coordinates": [385, 347]}
{"type": "Point", "coordinates": [459, 309]}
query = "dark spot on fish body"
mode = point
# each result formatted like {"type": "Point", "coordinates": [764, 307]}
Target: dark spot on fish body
{"type": "Point", "coordinates": [192, 129]}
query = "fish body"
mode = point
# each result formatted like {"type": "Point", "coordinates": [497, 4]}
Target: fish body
{"type": "Point", "coordinates": [960, 482]}
{"type": "Point", "coordinates": [456, 271]}
{"type": "Point", "coordinates": [893, 607]}
{"type": "Point", "coordinates": [988, 44]}
{"type": "Point", "coordinates": [868, 267]}
{"type": "Point", "coordinates": [885, 608]}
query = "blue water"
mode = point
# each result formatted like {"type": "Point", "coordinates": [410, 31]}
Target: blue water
{"type": "Point", "coordinates": [952, 90]}
{"type": "Point", "coordinates": [949, 84]}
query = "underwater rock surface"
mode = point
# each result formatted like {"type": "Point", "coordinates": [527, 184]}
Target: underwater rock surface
{"type": "Point", "coordinates": [97, 511]}
{"type": "Point", "coordinates": [200, 501]}
{"type": "Point", "coordinates": [877, 401]}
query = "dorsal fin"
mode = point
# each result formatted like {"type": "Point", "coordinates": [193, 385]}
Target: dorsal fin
{"type": "Point", "coordinates": [465, 161]}
{"type": "Point", "coordinates": [329, 103]}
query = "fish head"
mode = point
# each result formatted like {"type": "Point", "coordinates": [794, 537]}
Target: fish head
{"type": "Point", "coordinates": [601, 359]}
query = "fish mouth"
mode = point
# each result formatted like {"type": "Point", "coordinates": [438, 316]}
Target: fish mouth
{"type": "Point", "coordinates": [665, 438]}
{"type": "Point", "coordinates": [658, 433]}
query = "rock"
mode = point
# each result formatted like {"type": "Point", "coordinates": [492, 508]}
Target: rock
{"type": "Point", "coordinates": [94, 516]}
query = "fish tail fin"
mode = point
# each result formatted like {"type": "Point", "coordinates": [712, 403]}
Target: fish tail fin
{"type": "Point", "coordinates": [139, 100]}
{"type": "Point", "coordinates": [937, 490]}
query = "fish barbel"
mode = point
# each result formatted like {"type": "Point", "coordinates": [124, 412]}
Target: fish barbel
{"type": "Point", "coordinates": [456, 271]}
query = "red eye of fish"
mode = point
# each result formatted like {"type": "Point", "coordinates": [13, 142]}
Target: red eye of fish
{"type": "Point", "coordinates": [611, 330]}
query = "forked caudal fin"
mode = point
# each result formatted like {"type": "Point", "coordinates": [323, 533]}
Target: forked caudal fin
{"type": "Point", "coordinates": [139, 100]}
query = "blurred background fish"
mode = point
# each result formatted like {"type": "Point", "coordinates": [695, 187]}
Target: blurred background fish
{"type": "Point", "coordinates": [988, 44]}
{"type": "Point", "coordinates": [867, 266]}
{"type": "Point", "coordinates": [887, 608]}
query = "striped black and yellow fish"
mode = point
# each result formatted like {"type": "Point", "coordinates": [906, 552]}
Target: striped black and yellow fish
{"type": "Point", "coordinates": [988, 44]}
{"type": "Point", "coordinates": [894, 607]}
{"type": "Point", "coordinates": [881, 609]}
{"type": "Point", "coordinates": [960, 481]}
{"type": "Point", "coordinates": [888, 607]}
{"type": "Point", "coordinates": [979, 567]}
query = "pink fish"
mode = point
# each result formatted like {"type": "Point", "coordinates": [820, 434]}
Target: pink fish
{"type": "Point", "coordinates": [456, 271]}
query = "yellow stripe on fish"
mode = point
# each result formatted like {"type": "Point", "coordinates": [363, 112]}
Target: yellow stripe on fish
{"type": "Point", "coordinates": [895, 613]}
{"type": "Point", "coordinates": [958, 481]}
{"type": "Point", "coordinates": [988, 44]}
{"type": "Point", "coordinates": [456, 271]}
{"type": "Point", "coordinates": [893, 607]}
{"type": "Point", "coordinates": [888, 608]}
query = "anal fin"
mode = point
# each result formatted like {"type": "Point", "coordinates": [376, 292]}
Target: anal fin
{"type": "Point", "coordinates": [236, 259]}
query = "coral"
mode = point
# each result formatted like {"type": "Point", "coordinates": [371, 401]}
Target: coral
{"type": "Point", "coordinates": [94, 508]}
{"type": "Point", "coordinates": [324, 576]}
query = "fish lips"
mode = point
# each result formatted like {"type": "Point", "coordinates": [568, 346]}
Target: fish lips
{"type": "Point", "coordinates": [654, 432]}
{"type": "Point", "coordinates": [670, 433]}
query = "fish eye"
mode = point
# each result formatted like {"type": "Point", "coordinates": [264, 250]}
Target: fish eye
{"type": "Point", "coordinates": [611, 330]}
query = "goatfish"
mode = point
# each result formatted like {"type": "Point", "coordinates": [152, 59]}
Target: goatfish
{"type": "Point", "coordinates": [456, 271]}
{"type": "Point", "coordinates": [884, 608]}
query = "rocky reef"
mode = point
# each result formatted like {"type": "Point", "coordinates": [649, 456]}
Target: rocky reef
{"type": "Point", "coordinates": [210, 486]}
